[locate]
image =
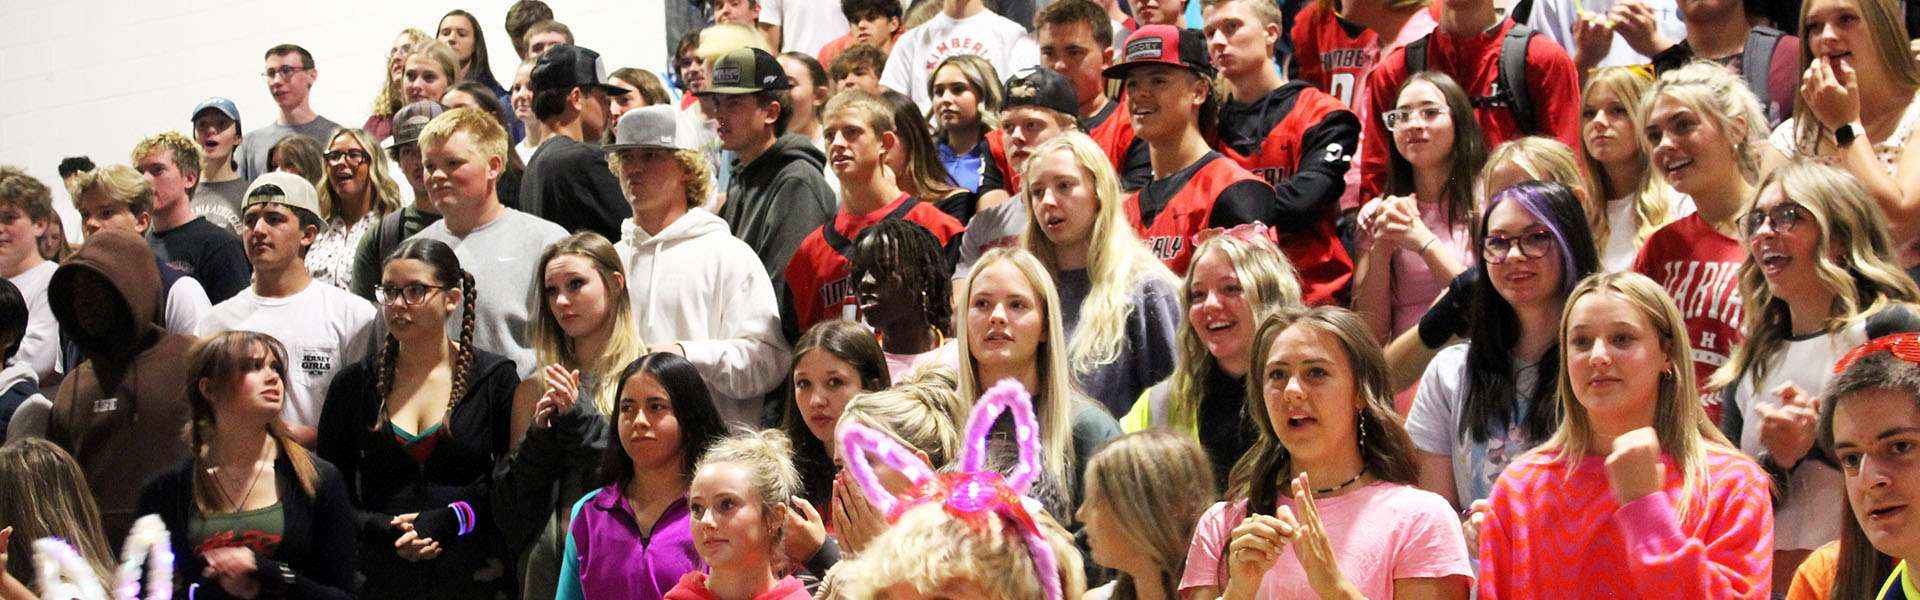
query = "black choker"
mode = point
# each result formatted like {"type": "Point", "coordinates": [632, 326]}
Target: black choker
{"type": "Point", "coordinates": [1356, 477]}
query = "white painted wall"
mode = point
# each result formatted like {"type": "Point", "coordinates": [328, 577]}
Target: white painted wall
{"type": "Point", "coordinates": [93, 77]}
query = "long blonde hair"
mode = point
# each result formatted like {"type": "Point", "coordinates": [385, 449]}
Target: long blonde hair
{"type": "Point", "coordinates": [43, 493]}
{"type": "Point", "coordinates": [1850, 258]}
{"type": "Point", "coordinates": [1271, 284]}
{"type": "Point", "coordinates": [1054, 398]}
{"type": "Point", "coordinates": [384, 193]}
{"type": "Point", "coordinates": [552, 345]}
{"type": "Point", "coordinates": [1887, 30]}
{"type": "Point", "coordinates": [1651, 200]}
{"type": "Point", "coordinates": [1117, 262]}
{"type": "Point", "coordinates": [391, 96]}
{"type": "Point", "coordinates": [1155, 484]}
{"type": "Point", "coordinates": [985, 83]}
{"type": "Point", "coordinates": [1679, 420]}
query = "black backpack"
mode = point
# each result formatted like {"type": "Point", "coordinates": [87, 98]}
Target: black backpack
{"type": "Point", "coordinates": [1509, 88]}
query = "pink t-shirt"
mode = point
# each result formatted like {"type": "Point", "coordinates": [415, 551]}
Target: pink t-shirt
{"type": "Point", "coordinates": [1413, 287]}
{"type": "Point", "coordinates": [1380, 533]}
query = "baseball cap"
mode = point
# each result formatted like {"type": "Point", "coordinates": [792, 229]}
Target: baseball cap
{"type": "Point", "coordinates": [286, 189]}
{"type": "Point", "coordinates": [410, 119]}
{"type": "Point", "coordinates": [1044, 88]}
{"type": "Point", "coordinates": [223, 105]}
{"type": "Point", "coordinates": [1163, 45]}
{"type": "Point", "coordinates": [746, 71]}
{"type": "Point", "coordinates": [567, 66]}
{"type": "Point", "coordinates": [657, 127]}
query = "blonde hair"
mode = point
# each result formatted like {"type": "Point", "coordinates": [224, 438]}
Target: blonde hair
{"type": "Point", "coordinates": [1720, 97]}
{"type": "Point", "coordinates": [391, 97]}
{"type": "Point", "coordinates": [1155, 484]}
{"type": "Point", "coordinates": [1651, 200]}
{"type": "Point", "coordinates": [552, 345]}
{"type": "Point", "coordinates": [985, 83]}
{"type": "Point", "coordinates": [693, 167]}
{"type": "Point", "coordinates": [767, 456]}
{"type": "Point", "coordinates": [481, 128]}
{"type": "Point", "coordinates": [1679, 420]}
{"type": "Point", "coordinates": [1271, 284]}
{"type": "Point", "coordinates": [874, 112]}
{"type": "Point", "coordinates": [441, 56]}
{"type": "Point", "coordinates": [923, 414]}
{"type": "Point", "coordinates": [1887, 34]}
{"type": "Point", "coordinates": [43, 493]}
{"type": "Point", "coordinates": [1850, 258]}
{"type": "Point", "coordinates": [929, 549]}
{"type": "Point", "coordinates": [120, 183]}
{"type": "Point", "coordinates": [385, 193]}
{"type": "Point", "coordinates": [1053, 401]}
{"type": "Point", "coordinates": [187, 155]}
{"type": "Point", "coordinates": [1118, 263]}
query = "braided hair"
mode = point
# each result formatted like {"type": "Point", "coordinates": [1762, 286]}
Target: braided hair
{"type": "Point", "coordinates": [444, 267]}
{"type": "Point", "coordinates": [906, 248]}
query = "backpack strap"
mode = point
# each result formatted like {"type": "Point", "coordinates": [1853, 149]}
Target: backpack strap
{"type": "Point", "coordinates": [1756, 59]}
{"type": "Point", "coordinates": [387, 236]}
{"type": "Point", "coordinates": [1512, 80]}
{"type": "Point", "coordinates": [1417, 50]}
{"type": "Point", "coordinates": [841, 245]}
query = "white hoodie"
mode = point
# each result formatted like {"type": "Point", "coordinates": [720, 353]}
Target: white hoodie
{"type": "Point", "coordinates": [697, 285]}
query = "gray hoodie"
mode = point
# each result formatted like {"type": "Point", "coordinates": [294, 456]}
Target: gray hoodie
{"type": "Point", "coordinates": [779, 198]}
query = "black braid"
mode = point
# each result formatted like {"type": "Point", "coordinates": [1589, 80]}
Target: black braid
{"type": "Point", "coordinates": [906, 247]}
{"type": "Point", "coordinates": [383, 376]}
{"type": "Point", "coordinates": [463, 363]}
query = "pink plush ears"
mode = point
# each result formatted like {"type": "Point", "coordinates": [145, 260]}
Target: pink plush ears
{"type": "Point", "coordinates": [975, 492]}
{"type": "Point", "coordinates": [64, 574]}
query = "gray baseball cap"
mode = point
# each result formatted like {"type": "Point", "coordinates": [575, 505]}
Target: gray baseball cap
{"type": "Point", "coordinates": [285, 189]}
{"type": "Point", "coordinates": [410, 119]}
{"type": "Point", "coordinates": [658, 127]}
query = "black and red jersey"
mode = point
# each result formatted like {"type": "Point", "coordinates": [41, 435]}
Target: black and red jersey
{"type": "Point", "coordinates": [817, 286]}
{"type": "Point", "coordinates": [1212, 192]}
{"type": "Point", "coordinates": [1110, 128]}
{"type": "Point", "coordinates": [1301, 141]}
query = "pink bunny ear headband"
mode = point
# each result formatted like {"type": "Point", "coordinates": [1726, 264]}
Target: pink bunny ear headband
{"type": "Point", "coordinates": [974, 493]}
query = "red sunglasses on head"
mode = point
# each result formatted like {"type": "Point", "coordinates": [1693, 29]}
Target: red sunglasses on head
{"type": "Point", "coordinates": [1905, 346]}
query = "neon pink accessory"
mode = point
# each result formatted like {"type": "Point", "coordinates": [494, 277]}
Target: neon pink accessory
{"type": "Point", "coordinates": [975, 493]}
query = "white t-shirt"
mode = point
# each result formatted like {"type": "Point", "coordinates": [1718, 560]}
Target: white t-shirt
{"type": "Point", "coordinates": [1554, 19]}
{"type": "Point", "coordinates": [41, 346]}
{"type": "Point", "coordinates": [805, 25]}
{"type": "Point", "coordinates": [323, 327]}
{"type": "Point", "coordinates": [1001, 41]}
{"type": "Point", "coordinates": [1810, 513]}
{"type": "Point", "coordinates": [1434, 424]}
{"type": "Point", "coordinates": [1616, 256]}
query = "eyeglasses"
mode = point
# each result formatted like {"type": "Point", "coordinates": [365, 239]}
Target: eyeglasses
{"type": "Point", "coordinates": [283, 72]}
{"type": "Point", "coordinates": [1405, 116]}
{"type": "Point", "coordinates": [1533, 243]}
{"type": "Point", "coordinates": [410, 294]}
{"type": "Point", "coordinates": [354, 156]}
{"type": "Point", "coordinates": [1783, 217]}
{"type": "Point", "coordinates": [1904, 346]}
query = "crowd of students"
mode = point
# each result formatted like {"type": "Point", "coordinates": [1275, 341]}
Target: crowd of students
{"type": "Point", "coordinates": [955, 298]}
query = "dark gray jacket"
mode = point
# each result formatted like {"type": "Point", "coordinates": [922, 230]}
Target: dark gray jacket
{"type": "Point", "coordinates": [779, 198]}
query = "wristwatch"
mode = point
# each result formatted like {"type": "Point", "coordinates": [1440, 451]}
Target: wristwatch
{"type": "Point", "coordinates": [1846, 134]}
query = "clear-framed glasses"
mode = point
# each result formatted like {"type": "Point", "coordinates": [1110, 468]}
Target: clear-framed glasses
{"type": "Point", "coordinates": [1399, 117]}
{"type": "Point", "coordinates": [1783, 217]}
{"type": "Point", "coordinates": [411, 294]}
{"type": "Point", "coordinates": [1533, 243]}
{"type": "Point", "coordinates": [286, 71]}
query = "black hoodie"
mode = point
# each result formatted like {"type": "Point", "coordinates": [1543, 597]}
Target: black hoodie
{"type": "Point", "coordinates": [779, 198]}
{"type": "Point", "coordinates": [122, 412]}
